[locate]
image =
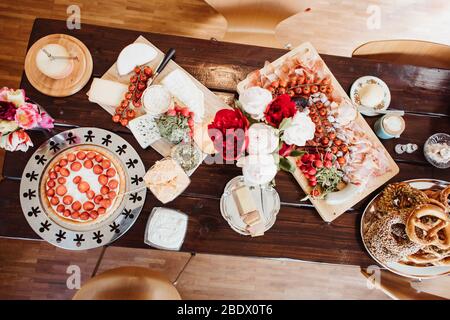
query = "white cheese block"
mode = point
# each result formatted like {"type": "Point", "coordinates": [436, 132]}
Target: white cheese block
{"type": "Point", "coordinates": [184, 89]}
{"type": "Point", "coordinates": [54, 68]}
{"type": "Point", "coordinates": [106, 92]}
{"type": "Point", "coordinates": [133, 55]}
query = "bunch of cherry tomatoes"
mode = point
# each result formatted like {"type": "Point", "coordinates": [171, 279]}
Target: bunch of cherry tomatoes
{"type": "Point", "coordinates": [300, 85]}
{"type": "Point", "coordinates": [132, 99]}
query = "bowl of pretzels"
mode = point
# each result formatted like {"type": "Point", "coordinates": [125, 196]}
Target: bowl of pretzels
{"type": "Point", "coordinates": [406, 228]}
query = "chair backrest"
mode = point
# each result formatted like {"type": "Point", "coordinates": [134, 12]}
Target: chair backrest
{"type": "Point", "coordinates": [414, 52]}
{"type": "Point", "coordinates": [128, 283]}
{"type": "Point", "coordinates": [398, 287]}
{"type": "Point", "coordinates": [254, 21]}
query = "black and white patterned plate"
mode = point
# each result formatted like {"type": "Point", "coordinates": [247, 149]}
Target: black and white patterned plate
{"type": "Point", "coordinates": [98, 234]}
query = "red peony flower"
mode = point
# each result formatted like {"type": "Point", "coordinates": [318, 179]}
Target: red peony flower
{"type": "Point", "coordinates": [280, 108]}
{"type": "Point", "coordinates": [7, 110]}
{"type": "Point", "coordinates": [228, 131]}
{"type": "Point", "coordinates": [286, 150]}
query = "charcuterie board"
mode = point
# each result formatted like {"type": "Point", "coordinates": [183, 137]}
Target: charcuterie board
{"type": "Point", "coordinates": [329, 212]}
{"type": "Point", "coordinates": [212, 102]}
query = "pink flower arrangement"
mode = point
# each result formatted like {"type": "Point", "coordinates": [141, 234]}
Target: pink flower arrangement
{"type": "Point", "coordinates": [17, 114]}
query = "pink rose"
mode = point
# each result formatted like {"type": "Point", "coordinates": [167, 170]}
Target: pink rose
{"type": "Point", "coordinates": [16, 141]}
{"type": "Point", "coordinates": [27, 116]}
{"type": "Point", "coordinates": [46, 121]}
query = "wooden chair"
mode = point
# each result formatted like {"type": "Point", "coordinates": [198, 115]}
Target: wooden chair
{"type": "Point", "coordinates": [128, 283]}
{"type": "Point", "coordinates": [414, 52]}
{"type": "Point", "coordinates": [254, 21]}
{"type": "Point", "coordinates": [398, 287]}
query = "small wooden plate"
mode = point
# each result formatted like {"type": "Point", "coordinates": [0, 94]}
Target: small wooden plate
{"type": "Point", "coordinates": [73, 83]}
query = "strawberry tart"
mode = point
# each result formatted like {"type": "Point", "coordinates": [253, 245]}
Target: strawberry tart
{"type": "Point", "coordinates": [82, 186]}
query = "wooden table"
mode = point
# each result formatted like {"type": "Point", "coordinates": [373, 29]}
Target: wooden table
{"type": "Point", "coordinates": [299, 232]}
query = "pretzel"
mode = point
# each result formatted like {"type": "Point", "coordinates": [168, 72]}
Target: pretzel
{"type": "Point", "coordinates": [423, 257]}
{"type": "Point", "coordinates": [440, 224]}
{"type": "Point", "coordinates": [442, 262]}
{"type": "Point", "coordinates": [433, 194]}
{"type": "Point", "coordinates": [438, 203]}
{"type": "Point", "coordinates": [444, 197]}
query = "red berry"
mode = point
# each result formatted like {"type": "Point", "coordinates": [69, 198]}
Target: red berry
{"type": "Point", "coordinates": [312, 183]}
{"type": "Point", "coordinates": [318, 164]}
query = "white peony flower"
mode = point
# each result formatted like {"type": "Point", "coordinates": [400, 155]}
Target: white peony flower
{"type": "Point", "coordinates": [300, 130]}
{"type": "Point", "coordinates": [258, 169]}
{"type": "Point", "coordinates": [254, 101]}
{"type": "Point", "coordinates": [263, 139]}
{"type": "Point", "coordinates": [16, 141]}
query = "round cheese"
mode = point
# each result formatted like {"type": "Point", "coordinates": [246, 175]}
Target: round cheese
{"type": "Point", "coordinates": [371, 95]}
{"type": "Point", "coordinates": [54, 68]}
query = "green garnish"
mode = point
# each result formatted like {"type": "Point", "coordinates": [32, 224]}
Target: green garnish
{"type": "Point", "coordinates": [173, 128]}
{"type": "Point", "coordinates": [328, 179]}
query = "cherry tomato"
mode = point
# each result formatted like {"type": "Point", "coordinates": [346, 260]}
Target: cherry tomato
{"type": "Point", "coordinates": [298, 90]}
{"type": "Point", "coordinates": [315, 193]}
{"type": "Point", "coordinates": [275, 84]}
{"type": "Point", "coordinates": [116, 118]}
{"type": "Point", "coordinates": [341, 160]}
{"type": "Point", "coordinates": [327, 164]}
{"type": "Point", "coordinates": [337, 142]}
{"type": "Point", "coordinates": [124, 122]}
{"type": "Point", "coordinates": [314, 89]}
{"type": "Point", "coordinates": [325, 141]}
{"type": "Point", "coordinates": [291, 93]}
{"type": "Point", "coordinates": [331, 135]}
{"type": "Point", "coordinates": [312, 183]}
{"type": "Point", "coordinates": [323, 112]}
{"type": "Point", "coordinates": [281, 90]}
{"type": "Point", "coordinates": [328, 156]}
{"type": "Point", "coordinates": [306, 90]}
{"type": "Point", "coordinates": [312, 171]}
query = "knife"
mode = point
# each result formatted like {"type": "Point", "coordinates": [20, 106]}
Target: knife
{"type": "Point", "coordinates": [167, 57]}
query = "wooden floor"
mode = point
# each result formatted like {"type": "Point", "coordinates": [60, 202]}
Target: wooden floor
{"type": "Point", "coordinates": [37, 270]}
{"type": "Point", "coordinates": [334, 26]}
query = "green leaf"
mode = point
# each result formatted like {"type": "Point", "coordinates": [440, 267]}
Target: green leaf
{"type": "Point", "coordinates": [286, 165]}
{"type": "Point", "coordinates": [297, 153]}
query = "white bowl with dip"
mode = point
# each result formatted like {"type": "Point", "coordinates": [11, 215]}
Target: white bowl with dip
{"type": "Point", "coordinates": [437, 150]}
{"type": "Point", "coordinates": [166, 229]}
{"type": "Point", "coordinates": [156, 100]}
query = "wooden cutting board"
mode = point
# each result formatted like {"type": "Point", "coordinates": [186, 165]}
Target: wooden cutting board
{"type": "Point", "coordinates": [73, 83]}
{"type": "Point", "coordinates": [212, 102]}
{"type": "Point", "coordinates": [326, 211]}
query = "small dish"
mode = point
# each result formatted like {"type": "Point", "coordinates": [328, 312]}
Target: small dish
{"type": "Point", "coordinates": [436, 139]}
{"type": "Point", "coordinates": [359, 84]}
{"type": "Point", "coordinates": [266, 198]}
{"type": "Point", "coordinates": [179, 238]}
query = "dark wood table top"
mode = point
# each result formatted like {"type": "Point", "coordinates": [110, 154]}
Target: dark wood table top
{"type": "Point", "coordinates": [299, 232]}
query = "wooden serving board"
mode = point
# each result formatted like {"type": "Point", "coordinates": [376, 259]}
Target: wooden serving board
{"type": "Point", "coordinates": [212, 102]}
{"type": "Point", "coordinates": [326, 211]}
{"type": "Point", "coordinates": [81, 73]}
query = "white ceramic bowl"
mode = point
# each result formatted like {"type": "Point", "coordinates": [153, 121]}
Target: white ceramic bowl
{"type": "Point", "coordinates": [437, 138]}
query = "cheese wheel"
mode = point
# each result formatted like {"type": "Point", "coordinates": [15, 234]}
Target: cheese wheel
{"type": "Point", "coordinates": [133, 55]}
{"type": "Point", "coordinates": [54, 68]}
